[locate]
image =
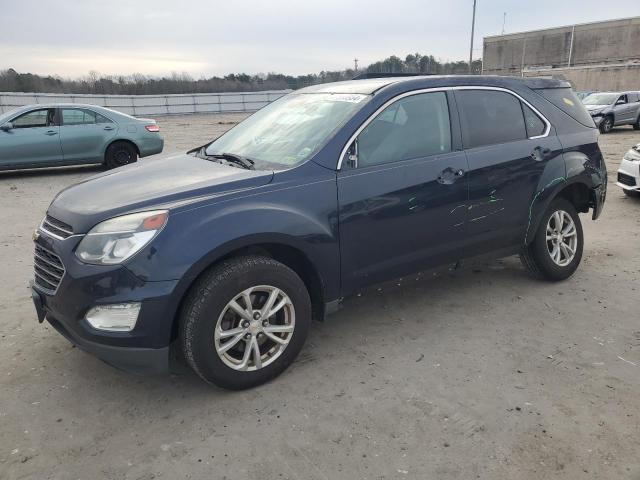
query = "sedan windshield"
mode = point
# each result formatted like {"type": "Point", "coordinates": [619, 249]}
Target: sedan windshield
{"type": "Point", "coordinates": [600, 99]}
{"type": "Point", "coordinates": [288, 131]}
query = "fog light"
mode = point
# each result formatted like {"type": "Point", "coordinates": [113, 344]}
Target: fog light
{"type": "Point", "coordinates": [119, 317]}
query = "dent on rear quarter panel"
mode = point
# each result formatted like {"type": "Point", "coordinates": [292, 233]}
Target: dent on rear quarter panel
{"type": "Point", "coordinates": [551, 180]}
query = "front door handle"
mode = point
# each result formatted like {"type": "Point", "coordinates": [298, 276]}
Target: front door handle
{"type": "Point", "coordinates": [538, 154]}
{"type": "Point", "coordinates": [51, 132]}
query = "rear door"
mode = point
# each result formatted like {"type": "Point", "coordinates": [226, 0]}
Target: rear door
{"type": "Point", "coordinates": [84, 135]}
{"type": "Point", "coordinates": [401, 201]}
{"type": "Point", "coordinates": [33, 140]}
{"type": "Point", "coordinates": [508, 145]}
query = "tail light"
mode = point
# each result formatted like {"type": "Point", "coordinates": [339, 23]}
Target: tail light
{"type": "Point", "coordinates": [152, 128]}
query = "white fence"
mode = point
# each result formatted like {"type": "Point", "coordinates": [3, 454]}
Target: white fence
{"type": "Point", "coordinates": [138, 105]}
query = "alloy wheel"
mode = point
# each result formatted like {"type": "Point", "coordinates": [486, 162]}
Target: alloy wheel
{"type": "Point", "coordinates": [254, 328]}
{"type": "Point", "coordinates": [562, 238]}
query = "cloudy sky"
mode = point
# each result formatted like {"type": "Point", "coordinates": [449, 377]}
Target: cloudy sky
{"type": "Point", "coordinates": [214, 37]}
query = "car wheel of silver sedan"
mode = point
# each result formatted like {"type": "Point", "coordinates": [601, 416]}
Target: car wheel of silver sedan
{"type": "Point", "coordinates": [244, 321]}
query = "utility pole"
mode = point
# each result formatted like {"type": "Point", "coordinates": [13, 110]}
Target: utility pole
{"type": "Point", "coordinates": [355, 62]}
{"type": "Point", "coordinates": [504, 20]}
{"type": "Point", "coordinates": [473, 27]}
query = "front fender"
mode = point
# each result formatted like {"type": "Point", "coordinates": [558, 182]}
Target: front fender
{"type": "Point", "coordinates": [304, 219]}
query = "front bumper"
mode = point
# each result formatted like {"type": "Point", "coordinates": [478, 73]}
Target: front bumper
{"type": "Point", "coordinates": [629, 175]}
{"type": "Point", "coordinates": [143, 350]}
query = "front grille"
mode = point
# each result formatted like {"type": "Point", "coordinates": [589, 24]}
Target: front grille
{"type": "Point", "coordinates": [626, 179]}
{"type": "Point", "coordinates": [56, 227]}
{"type": "Point", "coordinates": [48, 267]}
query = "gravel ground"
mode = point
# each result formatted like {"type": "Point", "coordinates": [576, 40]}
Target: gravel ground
{"type": "Point", "coordinates": [477, 373]}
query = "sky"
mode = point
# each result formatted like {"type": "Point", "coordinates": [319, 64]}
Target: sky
{"type": "Point", "coordinates": [203, 38]}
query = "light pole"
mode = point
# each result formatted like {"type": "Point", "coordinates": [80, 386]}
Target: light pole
{"type": "Point", "coordinates": [473, 26]}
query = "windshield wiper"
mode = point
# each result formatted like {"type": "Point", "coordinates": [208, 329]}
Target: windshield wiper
{"type": "Point", "coordinates": [239, 160]}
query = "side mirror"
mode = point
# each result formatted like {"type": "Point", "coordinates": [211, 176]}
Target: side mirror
{"type": "Point", "coordinates": [6, 127]}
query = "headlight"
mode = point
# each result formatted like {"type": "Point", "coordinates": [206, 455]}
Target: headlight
{"type": "Point", "coordinates": [117, 239]}
{"type": "Point", "coordinates": [632, 155]}
{"type": "Point", "coordinates": [596, 113]}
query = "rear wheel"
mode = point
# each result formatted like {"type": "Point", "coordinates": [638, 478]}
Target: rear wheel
{"type": "Point", "coordinates": [119, 154]}
{"type": "Point", "coordinates": [606, 125]}
{"type": "Point", "coordinates": [244, 322]}
{"type": "Point", "coordinates": [636, 126]}
{"type": "Point", "coordinates": [556, 250]}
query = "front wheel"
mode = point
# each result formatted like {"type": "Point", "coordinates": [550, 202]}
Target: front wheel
{"type": "Point", "coordinates": [556, 250]}
{"type": "Point", "coordinates": [244, 322]}
{"type": "Point", "coordinates": [636, 126]}
{"type": "Point", "coordinates": [606, 125]}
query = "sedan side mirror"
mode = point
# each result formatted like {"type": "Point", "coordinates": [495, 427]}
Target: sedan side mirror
{"type": "Point", "coordinates": [6, 127]}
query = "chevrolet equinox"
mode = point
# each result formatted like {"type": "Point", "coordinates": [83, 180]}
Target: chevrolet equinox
{"type": "Point", "coordinates": [227, 252]}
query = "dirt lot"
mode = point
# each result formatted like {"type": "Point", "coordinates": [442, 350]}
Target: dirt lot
{"type": "Point", "coordinates": [477, 373]}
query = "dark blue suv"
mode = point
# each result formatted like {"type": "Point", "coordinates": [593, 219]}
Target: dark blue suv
{"type": "Point", "coordinates": [229, 251]}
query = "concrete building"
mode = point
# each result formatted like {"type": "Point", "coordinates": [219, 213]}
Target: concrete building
{"type": "Point", "coordinates": [593, 56]}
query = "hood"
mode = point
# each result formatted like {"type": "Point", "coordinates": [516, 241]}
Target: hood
{"type": "Point", "coordinates": [595, 107]}
{"type": "Point", "coordinates": [148, 184]}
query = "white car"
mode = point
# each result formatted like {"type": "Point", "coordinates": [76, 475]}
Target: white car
{"type": "Point", "coordinates": [629, 172]}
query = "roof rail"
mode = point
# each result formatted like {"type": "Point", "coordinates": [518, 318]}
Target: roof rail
{"type": "Point", "coordinates": [367, 75]}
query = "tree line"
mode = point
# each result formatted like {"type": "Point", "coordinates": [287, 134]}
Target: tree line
{"type": "Point", "coordinates": [138, 84]}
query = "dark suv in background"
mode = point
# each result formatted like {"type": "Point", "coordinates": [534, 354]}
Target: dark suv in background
{"type": "Point", "coordinates": [228, 252]}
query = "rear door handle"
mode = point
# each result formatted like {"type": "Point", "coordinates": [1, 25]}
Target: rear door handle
{"type": "Point", "coordinates": [51, 132]}
{"type": "Point", "coordinates": [108, 128]}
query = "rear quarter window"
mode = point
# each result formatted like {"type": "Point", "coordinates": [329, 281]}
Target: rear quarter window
{"type": "Point", "coordinates": [569, 103]}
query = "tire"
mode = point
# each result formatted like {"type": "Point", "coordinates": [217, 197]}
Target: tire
{"type": "Point", "coordinates": [119, 154]}
{"type": "Point", "coordinates": [631, 193]}
{"type": "Point", "coordinates": [537, 256]}
{"type": "Point", "coordinates": [606, 125]}
{"type": "Point", "coordinates": [636, 126]}
{"type": "Point", "coordinates": [206, 315]}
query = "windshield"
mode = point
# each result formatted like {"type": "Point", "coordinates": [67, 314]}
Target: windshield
{"type": "Point", "coordinates": [290, 130]}
{"type": "Point", "coordinates": [601, 99]}
{"type": "Point", "coordinates": [9, 113]}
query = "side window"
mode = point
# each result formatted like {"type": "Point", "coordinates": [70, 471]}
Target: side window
{"type": "Point", "coordinates": [534, 124]}
{"type": "Point", "coordinates": [102, 119]}
{"type": "Point", "coordinates": [621, 100]}
{"type": "Point", "coordinates": [37, 118]}
{"type": "Point", "coordinates": [490, 117]}
{"type": "Point", "coordinates": [74, 116]}
{"type": "Point", "coordinates": [413, 127]}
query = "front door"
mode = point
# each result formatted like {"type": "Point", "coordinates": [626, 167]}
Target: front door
{"type": "Point", "coordinates": [508, 146]}
{"type": "Point", "coordinates": [401, 197]}
{"type": "Point", "coordinates": [33, 140]}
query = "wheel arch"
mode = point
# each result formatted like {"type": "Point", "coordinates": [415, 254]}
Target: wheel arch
{"type": "Point", "coordinates": [286, 251]}
{"type": "Point", "coordinates": [118, 140]}
{"type": "Point", "coordinates": [575, 190]}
